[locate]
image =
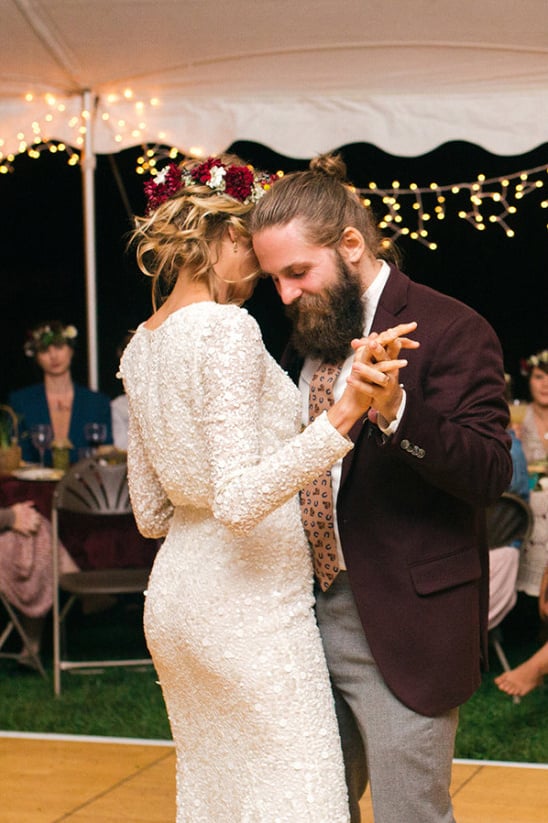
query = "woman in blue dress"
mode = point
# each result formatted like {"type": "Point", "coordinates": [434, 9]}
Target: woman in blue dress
{"type": "Point", "coordinates": [57, 400]}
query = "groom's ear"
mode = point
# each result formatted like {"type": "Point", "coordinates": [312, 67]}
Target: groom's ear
{"type": "Point", "coordinates": [351, 245]}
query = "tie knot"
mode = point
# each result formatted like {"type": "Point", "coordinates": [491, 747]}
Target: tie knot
{"type": "Point", "coordinates": [328, 370]}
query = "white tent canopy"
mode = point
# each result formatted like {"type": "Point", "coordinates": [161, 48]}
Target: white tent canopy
{"type": "Point", "coordinates": [298, 76]}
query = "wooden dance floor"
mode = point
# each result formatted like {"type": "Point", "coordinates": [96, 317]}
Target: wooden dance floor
{"type": "Point", "coordinates": [49, 779]}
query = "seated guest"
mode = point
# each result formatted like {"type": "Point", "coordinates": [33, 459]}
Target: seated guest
{"type": "Point", "coordinates": [527, 676]}
{"type": "Point", "coordinates": [533, 433]}
{"type": "Point", "coordinates": [534, 429]}
{"type": "Point", "coordinates": [26, 568]}
{"type": "Point", "coordinates": [64, 405]}
{"type": "Point", "coordinates": [504, 560]}
{"type": "Point", "coordinates": [531, 673]}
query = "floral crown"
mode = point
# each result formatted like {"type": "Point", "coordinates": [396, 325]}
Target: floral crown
{"type": "Point", "coordinates": [538, 360]}
{"type": "Point", "coordinates": [49, 334]}
{"type": "Point", "coordinates": [242, 183]}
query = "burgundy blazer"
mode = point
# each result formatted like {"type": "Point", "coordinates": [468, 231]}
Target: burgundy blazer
{"type": "Point", "coordinates": [410, 508]}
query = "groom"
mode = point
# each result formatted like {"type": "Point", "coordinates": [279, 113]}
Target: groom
{"type": "Point", "coordinates": [403, 612]}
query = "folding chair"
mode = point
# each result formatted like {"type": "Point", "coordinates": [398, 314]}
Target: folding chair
{"type": "Point", "coordinates": [90, 488]}
{"type": "Point", "coordinates": [508, 520]}
{"type": "Point", "coordinates": [14, 625]}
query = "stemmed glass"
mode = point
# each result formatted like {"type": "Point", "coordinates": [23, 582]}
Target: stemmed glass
{"type": "Point", "coordinates": [518, 410]}
{"type": "Point", "coordinates": [42, 436]}
{"type": "Point", "coordinates": [95, 434]}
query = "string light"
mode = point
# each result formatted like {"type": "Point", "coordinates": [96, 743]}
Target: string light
{"type": "Point", "coordinates": [405, 211]}
{"type": "Point", "coordinates": [39, 136]}
{"type": "Point", "coordinates": [481, 202]}
{"type": "Point", "coordinates": [153, 154]}
{"type": "Point", "coordinates": [409, 212]}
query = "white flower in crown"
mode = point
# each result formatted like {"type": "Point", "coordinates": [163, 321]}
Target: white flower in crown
{"type": "Point", "coordinates": [538, 360]}
{"type": "Point", "coordinates": [217, 178]}
{"type": "Point", "coordinates": [49, 334]}
{"type": "Point", "coordinates": [259, 188]}
{"type": "Point", "coordinates": [161, 176]}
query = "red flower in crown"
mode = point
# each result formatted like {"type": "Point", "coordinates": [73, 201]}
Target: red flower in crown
{"type": "Point", "coordinates": [163, 186]}
{"type": "Point", "coordinates": [202, 173]}
{"type": "Point", "coordinates": [239, 182]}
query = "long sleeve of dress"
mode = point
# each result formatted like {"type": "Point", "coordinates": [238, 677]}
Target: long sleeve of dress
{"type": "Point", "coordinates": [154, 510]}
{"type": "Point", "coordinates": [248, 482]}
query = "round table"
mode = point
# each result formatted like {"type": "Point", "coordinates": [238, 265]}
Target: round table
{"type": "Point", "coordinates": [93, 542]}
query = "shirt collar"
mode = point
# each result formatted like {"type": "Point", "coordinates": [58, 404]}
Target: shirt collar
{"type": "Point", "coordinates": [372, 295]}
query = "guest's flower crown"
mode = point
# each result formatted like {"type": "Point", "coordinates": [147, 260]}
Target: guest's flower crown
{"type": "Point", "coordinates": [242, 183]}
{"type": "Point", "coordinates": [538, 360]}
{"type": "Point", "coordinates": [49, 334]}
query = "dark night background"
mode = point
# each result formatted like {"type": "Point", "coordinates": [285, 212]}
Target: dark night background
{"type": "Point", "coordinates": [42, 260]}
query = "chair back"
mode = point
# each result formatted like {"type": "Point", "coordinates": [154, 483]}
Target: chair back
{"type": "Point", "coordinates": [508, 520]}
{"type": "Point", "coordinates": [92, 487]}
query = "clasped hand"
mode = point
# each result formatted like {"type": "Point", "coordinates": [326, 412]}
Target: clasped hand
{"type": "Point", "coordinates": [376, 368]}
{"type": "Point", "coordinates": [26, 519]}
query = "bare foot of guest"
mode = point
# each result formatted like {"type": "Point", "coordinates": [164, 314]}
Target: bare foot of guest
{"type": "Point", "coordinates": [526, 677]}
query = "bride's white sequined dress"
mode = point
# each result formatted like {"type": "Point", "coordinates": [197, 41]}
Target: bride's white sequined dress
{"type": "Point", "coordinates": [215, 461]}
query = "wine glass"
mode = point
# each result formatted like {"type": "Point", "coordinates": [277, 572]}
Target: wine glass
{"type": "Point", "coordinates": [41, 435]}
{"type": "Point", "coordinates": [95, 434]}
{"type": "Point", "coordinates": [518, 409]}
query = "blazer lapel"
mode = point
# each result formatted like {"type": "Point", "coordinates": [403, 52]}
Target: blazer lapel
{"type": "Point", "coordinates": [392, 300]}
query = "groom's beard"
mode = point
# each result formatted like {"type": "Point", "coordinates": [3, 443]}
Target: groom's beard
{"type": "Point", "coordinates": [324, 324]}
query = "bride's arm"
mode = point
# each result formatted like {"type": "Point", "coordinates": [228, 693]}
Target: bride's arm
{"type": "Point", "coordinates": [249, 480]}
{"type": "Point", "coordinates": [151, 507]}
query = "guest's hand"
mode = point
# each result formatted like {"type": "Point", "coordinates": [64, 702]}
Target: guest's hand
{"type": "Point", "coordinates": [516, 428]}
{"type": "Point", "coordinates": [26, 518]}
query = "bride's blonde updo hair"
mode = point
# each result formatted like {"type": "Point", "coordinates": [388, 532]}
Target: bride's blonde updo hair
{"type": "Point", "coordinates": [323, 200]}
{"type": "Point", "coordinates": [190, 209]}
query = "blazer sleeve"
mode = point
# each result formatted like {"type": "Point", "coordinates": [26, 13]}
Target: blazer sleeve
{"type": "Point", "coordinates": [453, 430]}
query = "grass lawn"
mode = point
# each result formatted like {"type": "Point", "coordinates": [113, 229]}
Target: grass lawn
{"type": "Point", "coordinates": [128, 703]}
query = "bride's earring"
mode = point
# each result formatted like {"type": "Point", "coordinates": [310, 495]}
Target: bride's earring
{"type": "Point", "coordinates": [235, 247]}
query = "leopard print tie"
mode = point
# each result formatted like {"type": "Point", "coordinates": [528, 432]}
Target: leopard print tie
{"type": "Point", "coordinates": [317, 510]}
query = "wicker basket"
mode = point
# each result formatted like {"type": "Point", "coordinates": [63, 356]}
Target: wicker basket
{"type": "Point", "coordinates": [10, 456]}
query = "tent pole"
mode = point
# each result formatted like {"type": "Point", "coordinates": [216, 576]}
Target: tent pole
{"type": "Point", "coordinates": [88, 163]}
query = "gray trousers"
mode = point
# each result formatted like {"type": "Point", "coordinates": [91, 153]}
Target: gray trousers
{"type": "Point", "coordinates": [406, 756]}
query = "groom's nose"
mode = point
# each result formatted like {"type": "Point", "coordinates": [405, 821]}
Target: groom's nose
{"type": "Point", "coordinates": [288, 290]}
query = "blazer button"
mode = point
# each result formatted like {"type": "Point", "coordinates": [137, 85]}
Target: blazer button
{"type": "Point", "coordinates": [405, 444]}
{"type": "Point", "coordinates": [421, 453]}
